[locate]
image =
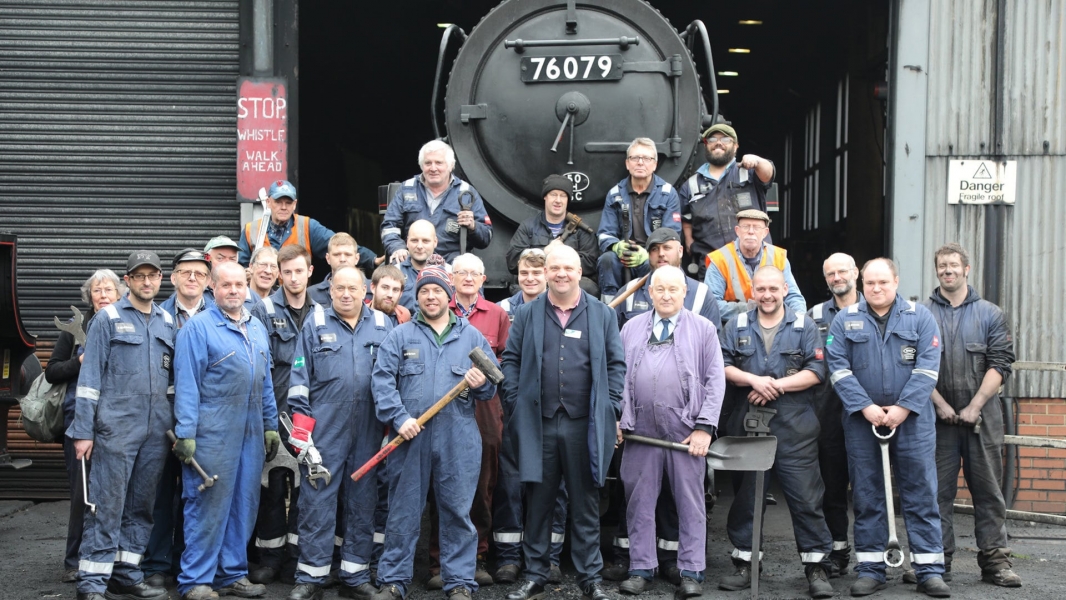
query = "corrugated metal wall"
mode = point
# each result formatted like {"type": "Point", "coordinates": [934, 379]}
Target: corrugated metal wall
{"type": "Point", "coordinates": [961, 117]}
{"type": "Point", "coordinates": [117, 132]}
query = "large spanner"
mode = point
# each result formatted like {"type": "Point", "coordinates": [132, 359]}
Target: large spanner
{"type": "Point", "coordinates": [85, 487]}
{"type": "Point", "coordinates": [208, 481]}
{"type": "Point", "coordinates": [282, 460]}
{"type": "Point", "coordinates": [315, 470]}
{"type": "Point", "coordinates": [893, 552]}
{"type": "Point", "coordinates": [74, 328]}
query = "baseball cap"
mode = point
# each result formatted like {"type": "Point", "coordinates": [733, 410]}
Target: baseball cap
{"type": "Point", "coordinates": [720, 127]}
{"type": "Point", "coordinates": [191, 255]}
{"type": "Point", "coordinates": [282, 189]}
{"type": "Point", "coordinates": [220, 241]}
{"type": "Point", "coordinates": [661, 236]}
{"type": "Point", "coordinates": [753, 213]}
{"type": "Point", "coordinates": [141, 258]}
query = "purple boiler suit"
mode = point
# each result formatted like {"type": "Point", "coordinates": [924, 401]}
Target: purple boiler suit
{"type": "Point", "coordinates": [670, 389]}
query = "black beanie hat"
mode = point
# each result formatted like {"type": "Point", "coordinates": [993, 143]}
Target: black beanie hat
{"type": "Point", "coordinates": [558, 182]}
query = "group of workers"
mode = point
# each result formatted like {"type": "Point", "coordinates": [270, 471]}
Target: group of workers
{"type": "Point", "coordinates": [195, 411]}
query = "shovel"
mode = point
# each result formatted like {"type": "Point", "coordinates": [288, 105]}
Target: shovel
{"type": "Point", "coordinates": [727, 453]}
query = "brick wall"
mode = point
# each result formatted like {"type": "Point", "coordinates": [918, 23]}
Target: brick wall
{"type": "Point", "coordinates": [1041, 472]}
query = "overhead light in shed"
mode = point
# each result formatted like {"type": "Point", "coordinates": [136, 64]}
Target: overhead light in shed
{"type": "Point", "coordinates": [750, 22]}
{"type": "Point", "coordinates": [728, 73]}
{"type": "Point", "coordinates": [740, 50]}
{"type": "Point", "coordinates": [723, 91]}
{"type": "Point", "coordinates": [444, 25]}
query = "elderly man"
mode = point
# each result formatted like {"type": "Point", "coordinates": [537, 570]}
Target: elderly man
{"type": "Point", "coordinates": [721, 187]}
{"type": "Point", "coordinates": [221, 249]}
{"type": "Point", "coordinates": [730, 267]}
{"type": "Point", "coordinates": [565, 416]}
{"type": "Point", "coordinates": [421, 246]}
{"type": "Point", "coordinates": [342, 251]}
{"type": "Point", "coordinates": [419, 362]}
{"type": "Point", "coordinates": [551, 226]}
{"type": "Point", "coordinates": [335, 354]}
{"type": "Point", "coordinates": [468, 275]}
{"type": "Point", "coordinates": [227, 420]}
{"type": "Point", "coordinates": [978, 352]}
{"type": "Point", "coordinates": [841, 275]}
{"type": "Point", "coordinates": [637, 206]}
{"type": "Point", "coordinates": [774, 357]}
{"type": "Point", "coordinates": [121, 417]}
{"type": "Point", "coordinates": [675, 383]}
{"type": "Point", "coordinates": [884, 359]}
{"type": "Point", "coordinates": [446, 201]}
{"type": "Point", "coordinates": [282, 314]}
{"type": "Point", "coordinates": [386, 288]}
{"type": "Point", "coordinates": [286, 227]}
{"type": "Point", "coordinates": [263, 272]}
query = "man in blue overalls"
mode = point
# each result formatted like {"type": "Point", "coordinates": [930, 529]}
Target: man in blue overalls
{"type": "Point", "coordinates": [884, 359]}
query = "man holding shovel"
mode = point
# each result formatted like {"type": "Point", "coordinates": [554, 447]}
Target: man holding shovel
{"type": "Point", "coordinates": [774, 358]}
{"type": "Point", "coordinates": [673, 390]}
{"type": "Point", "coordinates": [419, 362]}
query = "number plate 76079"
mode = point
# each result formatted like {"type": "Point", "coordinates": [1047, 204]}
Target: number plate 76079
{"type": "Point", "coordinates": [547, 69]}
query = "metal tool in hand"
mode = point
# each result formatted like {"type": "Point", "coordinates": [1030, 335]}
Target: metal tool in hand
{"type": "Point", "coordinates": [893, 552]}
{"type": "Point", "coordinates": [466, 202]}
{"type": "Point", "coordinates": [208, 480]}
{"type": "Point", "coordinates": [728, 453]}
{"type": "Point", "coordinates": [573, 223]}
{"type": "Point", "coordinates": [757, 424]}
{"type": "Point", "coordinates": [626, 273]}
{"type": "Point", "coordinates": [482, 362]}
{"type": "Point", "coordinates": [282, 460]}
{"type": "Point", "coordinates": [85, 487]}
{"type": "Point", "coordinates": [75, 327]}
{"type": "Point", "coordinates": [264, 221]}
{"type": "Point", "coordinates": [313, 460]}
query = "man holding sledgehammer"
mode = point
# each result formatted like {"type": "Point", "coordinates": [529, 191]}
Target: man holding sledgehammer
{"type": "Point", "coordinates": [419, 362]}
{"type": "Point", "coordinates": [674, 387]}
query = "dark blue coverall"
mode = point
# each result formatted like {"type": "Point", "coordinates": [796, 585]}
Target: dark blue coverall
{"type": "Point", "coordinates": [409, 205]}
{"type": "Point", "coordinates": [900, 367]}
{"type": "Point", "coordinates": [330, 383]}
{"type": "Point", "coordinates": [412, 372]}
{"type": "Point", "coordinates": [121, 404]}
{"type": "Point", "coordinates": [796, 347]}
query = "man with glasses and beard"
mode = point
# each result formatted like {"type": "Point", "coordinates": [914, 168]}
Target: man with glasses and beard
{"type": "Point", "coordinates": [717, 191]}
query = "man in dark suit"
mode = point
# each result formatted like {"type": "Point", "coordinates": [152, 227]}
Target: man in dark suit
{"type": "Point", "coordinates": [568, 416]}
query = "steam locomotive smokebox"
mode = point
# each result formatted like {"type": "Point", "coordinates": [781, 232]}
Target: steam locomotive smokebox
{"type": "Point", "coordinates": [582, 78]}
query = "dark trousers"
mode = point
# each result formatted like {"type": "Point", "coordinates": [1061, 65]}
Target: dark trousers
{"type": "Point", "coordinates": [163, 554]}
{"type": "Point", "coordinates": [489, 417]}
{"type": "Point", "coordinates": [76, 522]}
{"type": "Point", "coordinates": [275, 527]}
{"type": "Point", "coordinates": [833, 463]}
{"type": "Point", "coordinates": [565, 455]}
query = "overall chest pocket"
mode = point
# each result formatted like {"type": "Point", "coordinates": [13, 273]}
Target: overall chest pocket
{"type": "Point", "coordinates": [411, 374]}
{"type": "Point", "coordinates": [329, 362]}
{"type": "Point", "coordinates": [907, 355]}
{"type": "Point", "coordinates": [977, 354]}
{"type": "Point", "coordinates": [126, 353]}
{"type": "Point", "coordinates": [746, 360]}
{"type": "Point", "coordinates": [792, 360]}
{"type": "Point", "coordinates": [283, 346]}
{"type": "Point", "coordinates": [860, 347]}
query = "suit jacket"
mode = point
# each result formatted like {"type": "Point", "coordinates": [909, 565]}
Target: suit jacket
{"type": "Point", "coordinates": [521, 387]}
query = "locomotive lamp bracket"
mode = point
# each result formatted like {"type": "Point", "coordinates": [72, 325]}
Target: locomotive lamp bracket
{"type": "Point", "coordinates": [473, 112]}
{"type": "Point", "coordinates": [571, 17]}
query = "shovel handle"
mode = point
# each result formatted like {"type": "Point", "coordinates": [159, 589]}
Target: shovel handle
{"type": "Point", "coordinates": [662, 443]}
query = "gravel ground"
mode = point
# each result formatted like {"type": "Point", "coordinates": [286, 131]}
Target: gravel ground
{"type": "Point", "coordinates": [32, 541]}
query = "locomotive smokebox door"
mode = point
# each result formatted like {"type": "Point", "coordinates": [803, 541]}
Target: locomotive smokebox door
{"type": "Point", "coordinates": [549, 86]}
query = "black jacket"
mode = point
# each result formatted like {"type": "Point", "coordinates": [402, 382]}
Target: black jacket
{"type": "Point", "coordinates": [534, 233]}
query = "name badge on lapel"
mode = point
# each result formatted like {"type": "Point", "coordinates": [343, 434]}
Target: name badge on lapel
{"type": "Point", "coordinates": [572, 333]}
{"type": "Point", "coordinates": [125, 328]}
{"type": "Point", "coordinates": [327, 338]}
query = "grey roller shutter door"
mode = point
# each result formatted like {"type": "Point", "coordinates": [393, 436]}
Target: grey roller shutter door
{"type": "Point", "coordinates": [117, 132]}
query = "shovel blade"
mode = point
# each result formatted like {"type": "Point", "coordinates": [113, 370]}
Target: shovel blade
{"type": "Point", "coordinates": [731, 453]}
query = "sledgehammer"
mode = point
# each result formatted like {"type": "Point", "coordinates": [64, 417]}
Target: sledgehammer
{"type": "Point", "coordinates": [482, 362]}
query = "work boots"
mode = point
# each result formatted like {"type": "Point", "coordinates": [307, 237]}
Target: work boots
{"type": "Point", "coordinates": [935, 587]}
{"type": "Point", "coordinates": [818, 581]}
{"type": "Point", "coordinates": [306, 591]}
{"type": "Point", "coordinates": [506, 574]}
{"type": "Point", "coordinates": [739, 580]}
{"type": "Point", "coordinates": [996, 568]}
{"type": "Point", "coordinates": [141, 591]}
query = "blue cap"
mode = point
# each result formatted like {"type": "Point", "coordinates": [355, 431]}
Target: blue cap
{"type": "Point", "coordinates": [282, 189]}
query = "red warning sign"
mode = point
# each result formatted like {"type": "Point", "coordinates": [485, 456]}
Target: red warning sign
{"type": "Point", "coordinates": [262, 135]}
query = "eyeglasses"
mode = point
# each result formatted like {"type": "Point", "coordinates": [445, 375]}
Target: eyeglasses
{"type": "Point", "coordinates": [751, 228]}
{"type": "Point", "coordinates": [725, 141]}
{"type": "Point", "coordinates": [190, 274]}
{"type": "Point", "coordinates": [140, 277]}
{"type": "Point", "coordinates": [465, 274]}
{"type": "Point", "coordinates": [641, 159]}
{"type": "Point", "coordinates": [266, 266]}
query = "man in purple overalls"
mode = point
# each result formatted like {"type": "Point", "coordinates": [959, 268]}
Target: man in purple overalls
{"type": "Point", "coordinates": [674, 386]}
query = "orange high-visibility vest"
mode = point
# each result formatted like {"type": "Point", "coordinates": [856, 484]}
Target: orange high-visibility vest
{"type": "Point", "coordinates": [300, 234]}
{"type": "Point", "coordinates": [737, 280]}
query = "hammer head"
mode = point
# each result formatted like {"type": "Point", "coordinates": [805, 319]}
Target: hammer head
{"type": "Point", "coordinates": [486, 365]}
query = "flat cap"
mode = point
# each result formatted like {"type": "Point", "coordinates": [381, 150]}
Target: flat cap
{"type": "Point", "coordinates": [753, 213]}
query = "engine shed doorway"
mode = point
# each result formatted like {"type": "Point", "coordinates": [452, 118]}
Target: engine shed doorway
{"type": "Point", "coordinates": [804, 95]}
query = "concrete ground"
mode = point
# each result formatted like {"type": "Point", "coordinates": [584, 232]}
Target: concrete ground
{"type": "Point", "coordinates": [32, 541]}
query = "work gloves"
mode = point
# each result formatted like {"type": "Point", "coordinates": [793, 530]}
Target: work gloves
{"type": "Point", "coordinates": [184, 449]}
{"type": "Point", "coordinates": [300, 438]}
{"type": "Point", "coordinates": [631, 255]}
{"type": "Point", "coordinates": [271, 443]}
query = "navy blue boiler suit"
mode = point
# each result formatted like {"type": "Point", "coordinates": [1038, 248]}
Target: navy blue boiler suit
{"type": "Point", "coordinates": [121, 404]}
{"type": "Point", "coordinates": [795, 347]}
{"type": "Point", "coordinates": [901, 368]}
{"type": "Point", "coordinates": [330, 383]}
{"type": "Point", "coordinates": [412, 372]}
{"type": "Point", "coordinates": [410, 205]}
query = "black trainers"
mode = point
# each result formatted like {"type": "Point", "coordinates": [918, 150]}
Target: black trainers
{"type": "Point", "coordinates": [818, 581]}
